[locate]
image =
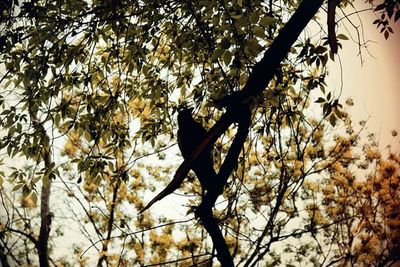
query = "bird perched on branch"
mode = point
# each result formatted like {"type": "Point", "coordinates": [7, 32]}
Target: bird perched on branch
{"type": "Point", "coordinates": [190, 135]}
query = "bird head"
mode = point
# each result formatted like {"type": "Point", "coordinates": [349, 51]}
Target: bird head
{"type": "Point", "coordinates": [184, 114]}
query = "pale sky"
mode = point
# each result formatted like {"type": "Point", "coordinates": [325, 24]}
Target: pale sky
{"type": "Point", "coordinates": [374, 85]}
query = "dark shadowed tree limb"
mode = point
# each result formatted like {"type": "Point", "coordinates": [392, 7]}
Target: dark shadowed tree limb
{"type": "Point", "coordinates": [223, 124]}
{"type": "Point", "coordinates": [204, 211]}
{"type": "Point", "coordinates": [266, 68]}
{"type": "Point", "coordinates": [3, 257]}
{"type": "Point", "coordinates": [258, 81]}
{"type": "Point", "coordinates": [333, 43]}
{"type": "Point", "coordinates": [261, 75]}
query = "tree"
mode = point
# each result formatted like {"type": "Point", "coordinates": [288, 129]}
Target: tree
{"type": "Point", "coordinates": [371, 236]}
{"type": "Point", "coordinates": [106, 79]}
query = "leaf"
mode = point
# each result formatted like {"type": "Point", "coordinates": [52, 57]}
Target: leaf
{"type": "Point", "coordinates": [379, 7]}
{"type": "Point", "coordinates": [7, 83]}
{"type": "Point", "coordinates": [259, 32]}
{"type": "Point", "coordinates": [267, 21]}
{"type": "Point", "coordinates": [26, 190]}
{"type": "Point", "coordinates": [34, 197]}
{"type": "Point", "coordinates": [324, 59]}
{"type": "Point", "coordinates": [88, 136]}
{"type": "Point", "coordinates": [322, 88]}
{"type": "Point", "coordinates": [332, 120]}
{"type": "Point", "coordinates": [386, 34]}
{"type": "Point", "coordinates": [217, 54]}
{"type": "Point", "coordinates": [341, 36]}
{"type": "Point", "coordinates": [397, 16]}
{"type": "Point", "coordinates": [9, 150]}
{"type": "Point", "coordinates": [243, 78]}
{"type": "Point", "coordinates": [320, 49]}
{"type": "Point", "coordinates": [146, 70]}
{"type": "Point", "coordinates": [18, 186]}
{"type": "Point", "coordinates": [338, 113]}
{"type": "Point", "coordinates": [389, 12]}
{"type": "Point", "coordinates": [254, 18]}
{"type": "Point", "coordinates": [225, 43]}
{"type": "Point", "coordinates": [227, 57]}
{"type": "Point", "coordinates": [327, 109]}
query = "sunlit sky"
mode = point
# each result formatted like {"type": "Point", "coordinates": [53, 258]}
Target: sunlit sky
{"type": "Point", "coordinates": [373, 85]}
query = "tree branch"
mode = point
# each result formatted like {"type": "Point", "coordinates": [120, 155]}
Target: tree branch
{"type": "Point", "coordinates": [29, 236]}
{"type": "Point", "coordinates": [204, 211]}
{"type": "Point", "coordinates": [258, 80]}
{"type": "Point", "coordinates": [333, 43]}
{"type": "Point", "coordinates": [220, 127]}
{"type": "Point", "coordinates": [265, 69]}
{"type": "Point", "coordinates": [45, 215]}
{"type": "Point", "coordinates": [110, 223]}
{"type": "Point", "coordinates": [261, 75]}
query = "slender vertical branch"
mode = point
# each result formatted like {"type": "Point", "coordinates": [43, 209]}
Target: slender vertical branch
{"type": "Point", "coordinates": [3, 257]}
{"type": "Point", "coordinates": [45, 214]}
{"type": "Point", "coordinates": [110, 224]}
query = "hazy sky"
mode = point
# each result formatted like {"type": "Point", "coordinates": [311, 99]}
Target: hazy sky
{"type": "Point", "coordinates": [374, 85]}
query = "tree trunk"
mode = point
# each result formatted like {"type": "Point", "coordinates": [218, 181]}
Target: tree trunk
{"type": "Point", "coordinates": [45, 224]}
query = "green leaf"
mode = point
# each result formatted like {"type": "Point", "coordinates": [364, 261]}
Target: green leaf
{"type": "Point", "coordinates": [217, 54]}
{"type": "Point", "coordinates": [259, 32]}
{"type": "Point", "coordinates": [254, 18]}
{"type": "Point", "coordinates": [267, 21]}
{"type": "Point", "coordinates": [320, 49]}
{"type": "Point", "coordinates": [18, 186]}
{"type": "Point", "coordinates": [227, 57]}
{"type": "Point", "coordinates": [342, 37]}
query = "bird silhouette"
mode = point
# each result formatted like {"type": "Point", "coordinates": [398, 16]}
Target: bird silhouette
{"type": "Point", "coordinates": [190, 135]}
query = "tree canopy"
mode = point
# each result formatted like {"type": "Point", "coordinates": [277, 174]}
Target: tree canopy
{"type": "Point", "coordinates": [90, 92]}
